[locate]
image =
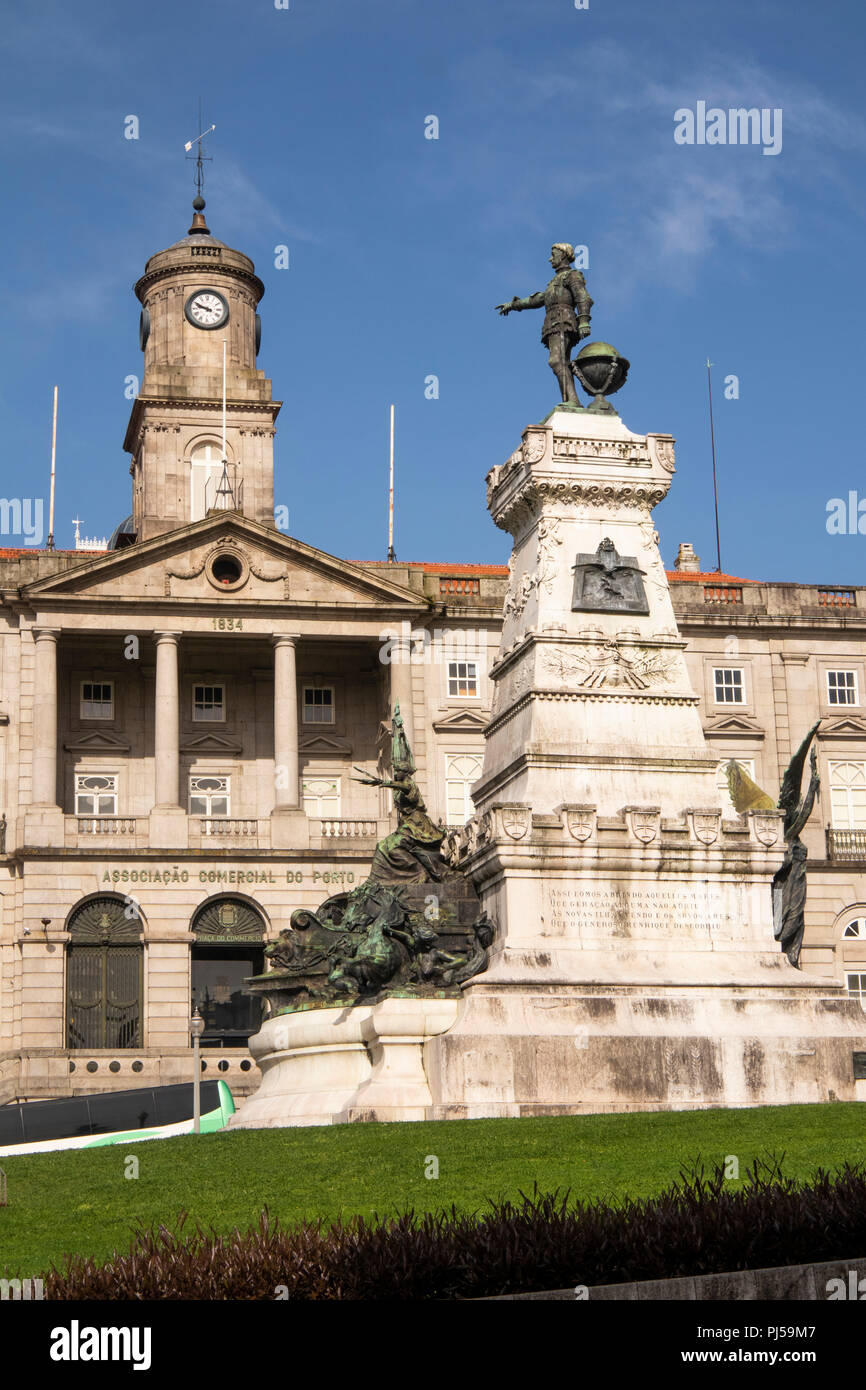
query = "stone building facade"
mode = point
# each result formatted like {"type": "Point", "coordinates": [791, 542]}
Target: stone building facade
{"type": "Point", "coordinates": [181, 718]}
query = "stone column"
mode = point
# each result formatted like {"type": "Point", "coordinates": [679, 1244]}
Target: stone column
{"type": "Point", "coordinates": [286, 785]}
{"type": "Point", "coordinates": [167, 722]}
{"type": "Point", "coordinates": [289, 826]}
{"type": "Point", "coordinates": [401, 685]}
{"type": "Point", "coordinates": [45, 718]}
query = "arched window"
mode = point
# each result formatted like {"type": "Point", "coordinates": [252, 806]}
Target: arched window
{"type": "Point", "coordinates": [205, 473]}
{"type": "Point", "coordinates": [848, 795]}
{"type": "Point", "coordinates": [856, 929]}
{"type": "Point", "coordinates": [229, 948]}
{"type": "Point", "coordinates": [461, 771]}
{"type": "Point", "coordinates": [104, 976]}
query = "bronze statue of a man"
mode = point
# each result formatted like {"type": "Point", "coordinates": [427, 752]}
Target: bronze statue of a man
{"type": "Point", "coordinates": [566, 321]}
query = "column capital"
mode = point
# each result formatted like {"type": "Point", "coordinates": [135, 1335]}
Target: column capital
{"type": "Point", "coordinates": [161, 636]}
{"type": "Point", "coordinates": [46, 634]}
{"type": "Point", "coordinates": [281, 639]}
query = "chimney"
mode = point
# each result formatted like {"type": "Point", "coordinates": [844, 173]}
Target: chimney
{"type": "Point", "coordinates": [687, 562]}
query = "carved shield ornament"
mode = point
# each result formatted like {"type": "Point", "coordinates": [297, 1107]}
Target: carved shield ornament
{"type": "Point", "coordinates": [664, 452]}
{"type": "Point", "coordinates": [516, 821]}
{"type": "Point", "coordinates": [534, 446]}
{"type": "Point", "coordinates": [766, 828]}
{"type": "Point", "coordinates": [707, 825]}
{"type": "Point", "coordinates": [580, 824]}
{"type": "Point", "coordinates": [645, 825]}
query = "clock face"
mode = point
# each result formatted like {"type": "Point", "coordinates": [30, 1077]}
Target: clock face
{"type": "Point", "coordinates": [206, 309]}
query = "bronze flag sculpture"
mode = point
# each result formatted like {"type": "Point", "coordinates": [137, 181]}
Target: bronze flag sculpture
{"type": "Point", "coordinates": [789, 882]}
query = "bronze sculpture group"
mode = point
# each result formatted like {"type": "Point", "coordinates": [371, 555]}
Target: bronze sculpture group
{"type": "Point", "coordinates": [414, 928]}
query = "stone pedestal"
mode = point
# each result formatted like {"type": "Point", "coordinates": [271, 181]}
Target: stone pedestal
{"type": "Point", "coordinates": [396, 1032]}
{"type": "Point", "coordinates": [168, 828]}
{"type": "Point", "coordinates": [329, 1066]}
{"type": "Point", "coordinates": [635, 965]}
{"type": "Point", "coordinates": [290, 828]}
{"type": "Point", "coordinates": [43, 826]}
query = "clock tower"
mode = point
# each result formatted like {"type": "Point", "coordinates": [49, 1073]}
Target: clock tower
{"type": "Point", "coordinates": [199, 326]}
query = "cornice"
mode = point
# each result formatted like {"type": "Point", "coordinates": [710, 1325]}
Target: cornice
{"type": "Point", "coordinates": [206, 266]}
{"type": "Point", "coordinates": [510, 512]}
{"type": "Point", "coordinates": [588, 696]}
{"type": "Point", "coordinates": [728, 618]}
{"type": "Point", "coordinates": [186, 403]}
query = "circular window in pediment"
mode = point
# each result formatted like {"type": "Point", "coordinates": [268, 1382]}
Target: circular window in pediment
{"type": "Point", "coordinates": [227, 570]}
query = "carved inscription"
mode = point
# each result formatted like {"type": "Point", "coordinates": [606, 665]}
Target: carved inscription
{"type": "Point", "coordinates": [670, 910]}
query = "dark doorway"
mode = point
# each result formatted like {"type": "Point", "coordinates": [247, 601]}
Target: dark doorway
{"type": "Point", "coordinates": [218, 973]}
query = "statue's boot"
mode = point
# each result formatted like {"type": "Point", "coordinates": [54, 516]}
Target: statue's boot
{"type": "Point", "coordinates": [566, 384]}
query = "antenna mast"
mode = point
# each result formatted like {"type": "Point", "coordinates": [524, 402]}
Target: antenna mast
{"type": "Point", "coordinates": [715, 485]}
{"type": "Point", "coordinates": [391, 552]}
{"type": "Point", "coordinates": [50, 541]}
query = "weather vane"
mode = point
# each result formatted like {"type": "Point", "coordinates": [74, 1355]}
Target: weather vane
{"type": "Point", "coordinates": [200, 156]}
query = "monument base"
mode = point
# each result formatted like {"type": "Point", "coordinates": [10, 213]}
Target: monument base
{"type": "Point", "coordinates": [334, 1065]}
{"type": "Point", "coordinates": [635, 970]}
{"type": "Point", "coordinates": [556, 1049]}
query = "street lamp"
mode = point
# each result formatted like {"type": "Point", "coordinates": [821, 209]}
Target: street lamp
{"type": "Point", "coordinates": [196, 1028]}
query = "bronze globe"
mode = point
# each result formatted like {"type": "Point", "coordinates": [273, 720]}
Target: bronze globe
{"type": "Point", "coordinates": [600, 370]}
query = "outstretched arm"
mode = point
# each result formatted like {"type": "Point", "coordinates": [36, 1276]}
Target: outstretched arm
{"type": "Point", "coordinates": [532, 301]}
{"type": "Point", "coordinates": [370, 781]}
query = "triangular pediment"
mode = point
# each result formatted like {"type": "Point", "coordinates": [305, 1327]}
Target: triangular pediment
{"type": "Point", "coordinates": [211, 743]}
{"type": "Point", "coordinates": [322, 745]}
{"type": "Point", "coordinates": [849, 726]}
{"type": "Point", "coordinates": [97, 741]}
{"type": "Point", "coordinates": [462, 721]}
{"type": "Point", "coordinates": [733, 726]}
{"type": "Point", "coordinates": [273, 569]}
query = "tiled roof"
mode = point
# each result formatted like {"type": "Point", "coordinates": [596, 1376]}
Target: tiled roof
{"type": "Point", "coordinates": [435, 566]}
{"type": "Point", "coordinates": [707, 577]}
{"type": "Point", "coordinates": [34, 550]}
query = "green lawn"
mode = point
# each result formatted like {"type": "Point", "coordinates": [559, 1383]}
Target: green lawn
{"type": "Point", "coordinates": [81, 1201]}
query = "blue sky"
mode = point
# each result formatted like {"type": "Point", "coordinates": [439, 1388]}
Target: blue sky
{"type": "Point", "coordinates": [554, 124]}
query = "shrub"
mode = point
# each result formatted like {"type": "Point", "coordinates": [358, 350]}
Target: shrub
{"type": "Point", "coordinates": [697, 1226]}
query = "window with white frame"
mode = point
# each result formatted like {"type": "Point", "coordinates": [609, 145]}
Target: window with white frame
{"type": "Point", "coordinates": [209, 795]}
{"type": "Point", "coordinates": [97, 699]}
{"type": "Point", "coordinates": [321, 797]}
{"type": "Point", "coordinates": [463, 680]}
{"type": "Point", "coordinates": [318, 704]}
{"type": "Point", "coordinates": [729, 685]}
{"type": "Point", "coordinates": [208, 703]}
{"type": "Point", "coordinates": [205, 473]}
{"type": "Point", "coordinates": [856, 986]}
{"type": "Point", "coordinates": [96, 793]}
{"type": "Point", "coordinates": [856, 930]}
{"type": "Point", "coordinates": [461, 770]}
{"type": "Point", "coordinates": [847, 795]}
{"type": "Point", "coordinates": [842, 688]}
